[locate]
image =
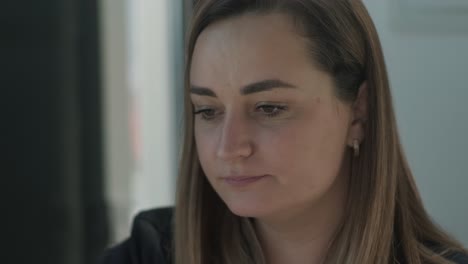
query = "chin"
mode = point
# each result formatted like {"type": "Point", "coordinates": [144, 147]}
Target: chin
{"type": "Point", "coordinates": [248, 209]}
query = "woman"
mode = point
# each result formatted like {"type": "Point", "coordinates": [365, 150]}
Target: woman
{"type": "Point", "coordinates": [291, 150]}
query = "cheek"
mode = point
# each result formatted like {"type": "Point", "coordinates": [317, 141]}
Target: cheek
{"type": "Point", "coordinates": [307, 152]}
{"type": "Point", "coordinates": [205, 144]}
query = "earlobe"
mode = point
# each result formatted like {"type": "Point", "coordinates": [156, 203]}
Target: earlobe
{"type": "Point", "coordinates": [356, 133]}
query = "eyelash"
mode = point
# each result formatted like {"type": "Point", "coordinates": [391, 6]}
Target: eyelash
{"type": "Point", "coordinates": [202, 113]}
{"type": "Point", "coordinates": [277, 110]}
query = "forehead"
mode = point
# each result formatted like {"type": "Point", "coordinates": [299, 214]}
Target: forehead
{"type": "Point", "coordinates": [248, 48]}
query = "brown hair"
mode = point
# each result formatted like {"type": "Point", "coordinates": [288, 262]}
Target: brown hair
{"type": "Point", "coordinates": [386, 221]}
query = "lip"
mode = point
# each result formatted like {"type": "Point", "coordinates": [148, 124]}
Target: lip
{"type": "Point", "coordinates": [240, 181]}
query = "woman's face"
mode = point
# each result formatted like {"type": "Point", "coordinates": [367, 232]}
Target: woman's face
{"type": "Point", "coordinates": [269, 130]}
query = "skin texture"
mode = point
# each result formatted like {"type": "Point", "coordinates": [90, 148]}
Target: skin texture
{"type": "Point", "coordinates": [296, 134]}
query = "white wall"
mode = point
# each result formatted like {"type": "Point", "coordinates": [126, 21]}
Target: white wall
{"type": "Point", "coordinates": [139, 65]}
{"type": "Point", "coordinates": [428, 67]}
{"type": "Point", "coordinates": [153, 89]}
{"type": "Point", "coordinates": [118, 164]}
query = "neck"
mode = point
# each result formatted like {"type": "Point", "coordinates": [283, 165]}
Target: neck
{"type": "Point", "coordinates": [303, 234]}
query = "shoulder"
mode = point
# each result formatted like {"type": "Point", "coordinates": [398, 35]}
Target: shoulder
{"type": "Point", "coordinates": [150, 240]}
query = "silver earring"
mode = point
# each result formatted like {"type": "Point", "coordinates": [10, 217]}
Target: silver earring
{"type": "Point", "coordinates": [356, 147]}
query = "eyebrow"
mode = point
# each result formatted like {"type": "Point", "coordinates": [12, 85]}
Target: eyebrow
{"type": "Point", "coordinates": [257, 87]}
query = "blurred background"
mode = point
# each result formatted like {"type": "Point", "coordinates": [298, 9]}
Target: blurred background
{"type": "Point", "coordinates": [92, 115]}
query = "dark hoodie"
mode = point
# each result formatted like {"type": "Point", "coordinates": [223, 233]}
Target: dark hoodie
{"type": "Point", "coordinates": [150, 241]}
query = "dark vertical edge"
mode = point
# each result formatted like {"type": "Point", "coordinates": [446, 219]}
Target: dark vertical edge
{"type": "Point", "coordinates": [94, 216]}
{"type": "Point", "coordinates": [69, 139]}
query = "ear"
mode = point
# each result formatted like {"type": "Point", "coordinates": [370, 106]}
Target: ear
{"type": "Point", "coordinates": [359, 115]}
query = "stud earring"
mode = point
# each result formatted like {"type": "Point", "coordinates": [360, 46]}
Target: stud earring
{"type": "Point", "coordinates": [356, 147]}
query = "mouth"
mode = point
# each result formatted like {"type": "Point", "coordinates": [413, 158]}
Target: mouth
{"type": "Point", "coordinates": [240, 181]}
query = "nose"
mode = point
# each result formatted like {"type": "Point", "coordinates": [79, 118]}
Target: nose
{"type": "Point", "coordinates": [235, 140]}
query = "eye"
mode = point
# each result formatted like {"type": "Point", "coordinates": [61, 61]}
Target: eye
{"type": "Point", "coordinates": [271, 110]}
{"type": "Point", "coordinates": [206, 113]}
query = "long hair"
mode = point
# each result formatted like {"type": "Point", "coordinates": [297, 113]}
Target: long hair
{"type": "Point", "coordinates": [385, 218]}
